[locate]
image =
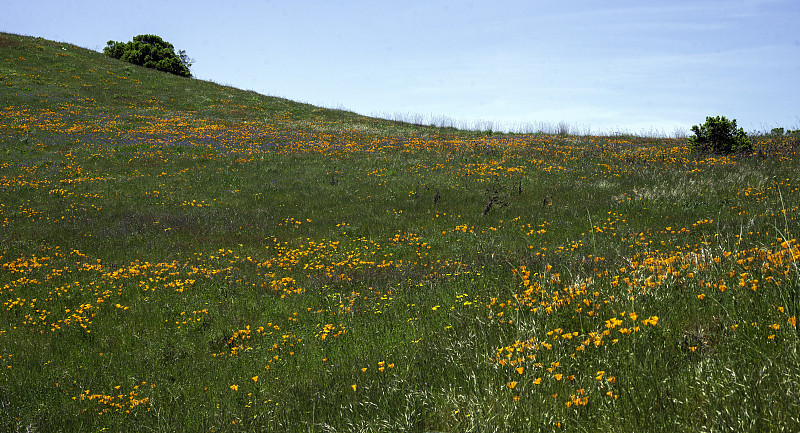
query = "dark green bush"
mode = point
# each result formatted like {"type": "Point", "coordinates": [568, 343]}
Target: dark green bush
{"type": "Point", "coordinates": [719, 135]}
{"type": "Point", "coordinates": [152, 52]}
{"type": "Point", "coordinates": [787, 133]}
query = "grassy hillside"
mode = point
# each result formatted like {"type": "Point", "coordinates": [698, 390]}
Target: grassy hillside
{"type": "Point", "coordinates": [176, 255]}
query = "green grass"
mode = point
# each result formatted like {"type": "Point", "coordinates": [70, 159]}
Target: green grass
{"type": "Point", "coordinates": [176, 255]}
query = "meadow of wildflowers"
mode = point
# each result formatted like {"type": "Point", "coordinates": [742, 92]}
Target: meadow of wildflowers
{"type": "Point", "coordinates": [177, 255]}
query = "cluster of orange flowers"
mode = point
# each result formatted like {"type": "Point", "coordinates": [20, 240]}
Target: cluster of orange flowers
{"type": "Point", "coordinates": [103, 403]}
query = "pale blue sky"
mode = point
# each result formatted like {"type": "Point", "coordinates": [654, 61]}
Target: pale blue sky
{"type": "Point", "coordinates": [606, 65]}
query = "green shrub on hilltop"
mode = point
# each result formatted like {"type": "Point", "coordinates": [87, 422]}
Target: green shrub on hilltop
{"type": "Point", "coordinates": [719, 135]}
{"type": "Point", "coordinates": [152, 52]}
{"type": "Point", "coordinates": [780, 132]}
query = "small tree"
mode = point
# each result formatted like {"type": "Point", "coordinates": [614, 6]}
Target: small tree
{"type": "Point", "coordinates": [152, 52]}
{"type": "Point", "coordinates": [719, 135]}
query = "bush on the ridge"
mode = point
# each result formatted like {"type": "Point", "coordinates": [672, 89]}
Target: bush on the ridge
{"type": "Point", "coordinates": [780, 132]}
{"type": "Point", "coordinates": [152, 52]}
{"type": "Point", "coordinates": [719, 135]}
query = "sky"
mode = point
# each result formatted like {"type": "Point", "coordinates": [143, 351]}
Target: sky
{"type": "Point", "coordinates": [634, 66]}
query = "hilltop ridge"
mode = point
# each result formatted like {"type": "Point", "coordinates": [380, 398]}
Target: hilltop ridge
{"type": "Point", "coordinates": [39, 73]}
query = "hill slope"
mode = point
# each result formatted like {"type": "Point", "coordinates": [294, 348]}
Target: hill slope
{"type": "Point", "coordinates": [38, 74]}
{"type": "Point", "coordinates": [177, 255]}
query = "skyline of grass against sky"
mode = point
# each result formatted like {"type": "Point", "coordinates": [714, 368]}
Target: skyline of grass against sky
{"type": "Point", "coordinates": [605, 66]}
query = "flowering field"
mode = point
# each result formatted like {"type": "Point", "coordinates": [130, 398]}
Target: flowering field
{"type": "Point", "coordinates": [177, 255]}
